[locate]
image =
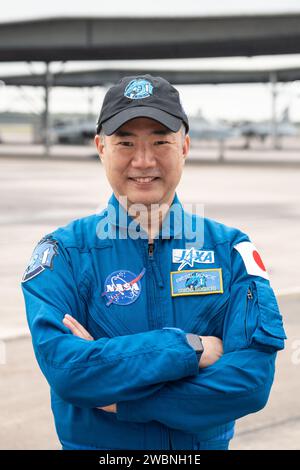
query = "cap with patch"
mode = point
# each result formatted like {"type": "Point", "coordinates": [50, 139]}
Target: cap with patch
{"type": "Point", "coordinates": [142, 96]}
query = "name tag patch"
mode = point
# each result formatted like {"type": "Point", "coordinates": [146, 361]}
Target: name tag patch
{"type": "Point", "coordinates": [196, 282]}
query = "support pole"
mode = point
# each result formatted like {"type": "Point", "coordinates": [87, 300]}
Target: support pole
{"type": "Point", "coordinates": [90, 103]}
{"type": "Point", "coordinates": [274, 129]}
{"type": "Point", "coordinates": [221, 156]}
{"type": "Point", "coordinates": [46, 117]}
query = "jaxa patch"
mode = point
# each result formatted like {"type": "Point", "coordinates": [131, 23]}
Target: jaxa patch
{"type": "Point", "coordinates": [197, 282]}
{"type": "Point", "coordinates": [122, 287]}
{"type": "Point", "coordinates": [138, 89]}
{"type": "Point", "coordinates": [42, 257]}
{"type": "Point", "coordinates": [190, 256]}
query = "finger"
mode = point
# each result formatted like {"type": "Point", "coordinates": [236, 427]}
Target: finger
{"type": "Point", "coordinates": [109, 408]}
{"type": "Point", "coordinates": [78, 330]}
{"type": "Point", "coordinates": [78, 326]}
{"type": "Point", "coordinates": [74, 330]}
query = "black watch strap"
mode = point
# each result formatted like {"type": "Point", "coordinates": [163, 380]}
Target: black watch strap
{"type": "Point", "coordinates": [196, 343]}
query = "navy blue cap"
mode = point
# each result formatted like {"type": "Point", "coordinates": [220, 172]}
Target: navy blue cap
{"type": "Point", "coordinates": [141, 96]}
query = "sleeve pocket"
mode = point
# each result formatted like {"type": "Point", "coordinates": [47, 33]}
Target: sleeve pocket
{"type": "Point", "coordinates": [269, 332]}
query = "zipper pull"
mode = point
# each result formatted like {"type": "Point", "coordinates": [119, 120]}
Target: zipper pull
{"type": "Point", "coordinates": [249, 294]}
{"type": "Point", "coordinates": [150, 250]}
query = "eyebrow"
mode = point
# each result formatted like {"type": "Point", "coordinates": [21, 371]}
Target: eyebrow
{"type": "Point", "coordinates": [121, 133]}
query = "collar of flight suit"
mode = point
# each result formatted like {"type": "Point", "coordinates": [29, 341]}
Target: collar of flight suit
{"type": "Point", "coordinates": [171, 226]}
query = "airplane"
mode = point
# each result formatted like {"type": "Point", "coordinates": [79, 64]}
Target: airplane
{"type": "Point", "coordinates": [202, 129]}
{"type": "Point", "coordinates": [73, 132]}
{"type": "Point", "coordinates": [262, 130]}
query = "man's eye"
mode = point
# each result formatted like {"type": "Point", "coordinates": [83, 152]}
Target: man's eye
{"type": "Point", "coordinates": [161, 142]}
{"type": "Point", "coordinates": [126, 144]}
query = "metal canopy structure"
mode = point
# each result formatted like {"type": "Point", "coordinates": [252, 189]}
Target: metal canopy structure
{"type": "Point", "coordinates": [113, 38]}
{"type": "Point", "coordinates": [103, 77]}
{"type": "Point", "coordinates": [133, 38]}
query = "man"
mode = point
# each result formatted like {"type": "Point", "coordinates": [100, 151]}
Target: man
{"type": "Point", "coordinates": [135, 358]}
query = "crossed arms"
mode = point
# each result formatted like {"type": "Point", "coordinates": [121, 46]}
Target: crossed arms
{"type": "Point", "coordinates": [213, 349]}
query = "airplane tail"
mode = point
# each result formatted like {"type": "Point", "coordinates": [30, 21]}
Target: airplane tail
{"type": "Point", "coordinates": [285, 118]}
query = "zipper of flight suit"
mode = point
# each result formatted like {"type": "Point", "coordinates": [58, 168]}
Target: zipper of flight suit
{"type": "Point", "coordinates": [156, 282]}
{"type": "Point", "coordinates": [150, 250]}
{"type": "Point", "coordinates": [249, 304]}
{"type": "Point", "coordinates": [156, 275]}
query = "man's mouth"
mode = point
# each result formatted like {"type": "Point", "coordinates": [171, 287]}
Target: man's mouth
{"type": "Point", "coordinates": [144, 179]}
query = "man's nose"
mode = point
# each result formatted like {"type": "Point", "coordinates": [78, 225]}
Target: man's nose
{"type": "Point", "coordinates": [144, 157]}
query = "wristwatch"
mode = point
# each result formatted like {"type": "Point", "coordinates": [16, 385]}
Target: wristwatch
{"type": "Point", "coordinates": [196, 343]}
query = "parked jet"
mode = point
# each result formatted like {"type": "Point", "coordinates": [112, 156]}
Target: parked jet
{"type": "Point", "coordinates": [202, 129]}
{"type": "Point", "coordinates": [73, 132]}
{"type": "Point", "coordinates": [262, 130]}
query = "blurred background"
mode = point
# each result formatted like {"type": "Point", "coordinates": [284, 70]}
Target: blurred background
{"type": "Point", "coordinates": [237, 68]}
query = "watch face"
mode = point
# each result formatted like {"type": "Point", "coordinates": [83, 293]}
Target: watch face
{"type": "Point", "coordinates": [195, 342]}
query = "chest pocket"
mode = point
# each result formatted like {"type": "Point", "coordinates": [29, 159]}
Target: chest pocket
{"type": "Point", "coordinates": [204, 315]}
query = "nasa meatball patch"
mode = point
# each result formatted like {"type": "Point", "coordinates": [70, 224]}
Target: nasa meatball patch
{"type": "Point", "coordinates": [122, 287]}
{"type": "Point", "coordinates": [42, 257]}
{"type": "Point", "coordinates": [252, 260]}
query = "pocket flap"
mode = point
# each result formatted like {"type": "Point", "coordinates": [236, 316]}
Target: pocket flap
{"type": "Point", "coordinates": [270, 331]}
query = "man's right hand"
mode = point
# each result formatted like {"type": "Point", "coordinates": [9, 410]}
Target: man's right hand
{"type": "Point", "coordinates": [213, 350]}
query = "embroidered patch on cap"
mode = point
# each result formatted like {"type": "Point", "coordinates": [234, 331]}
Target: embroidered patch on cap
{"type": "Point", "coordinates": [122, 287]}
{"type": "Point", "coordinates": [196, 282]}
{"type": "Point", "coordinates": [252, 260]}
{"type": "Point", "coordinates": [138, 89]}
{"type": "Point", "coordinates": [190, 256]}
{"type": "Point", "coordinates": [42, 257]}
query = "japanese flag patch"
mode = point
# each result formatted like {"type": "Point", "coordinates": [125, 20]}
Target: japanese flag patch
{"type": "Point", "coordinates": [252, 260]}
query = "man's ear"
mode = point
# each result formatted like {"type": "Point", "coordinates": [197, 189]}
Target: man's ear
{"type": "Point", "coordinates": [186, 147]}
{"type": "Point", "coordinates": [99, 146]}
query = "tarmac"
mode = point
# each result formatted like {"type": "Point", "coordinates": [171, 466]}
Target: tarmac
{"type": "Point", "coordinates": [37, 194]}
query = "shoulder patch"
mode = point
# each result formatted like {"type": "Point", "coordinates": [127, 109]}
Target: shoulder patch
{"type": "Point", "coordinates": [42, 257]}
{"type": "Point", "coordinates": [252, 260]}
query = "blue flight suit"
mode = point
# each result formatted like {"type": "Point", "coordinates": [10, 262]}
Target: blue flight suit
{"type": "Point", "coordinates": [140, 358]}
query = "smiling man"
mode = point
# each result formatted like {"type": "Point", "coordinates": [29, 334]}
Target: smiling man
{"type": "Point", "coordinates": [151, 335]}
{"type": "Point", "coordinates": [144, 160]}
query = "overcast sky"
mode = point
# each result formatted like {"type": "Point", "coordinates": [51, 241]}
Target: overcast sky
{"type": "Point", "coordinates": [18, 9]}
{"type": "Point", "coordinates": [222, 101]}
